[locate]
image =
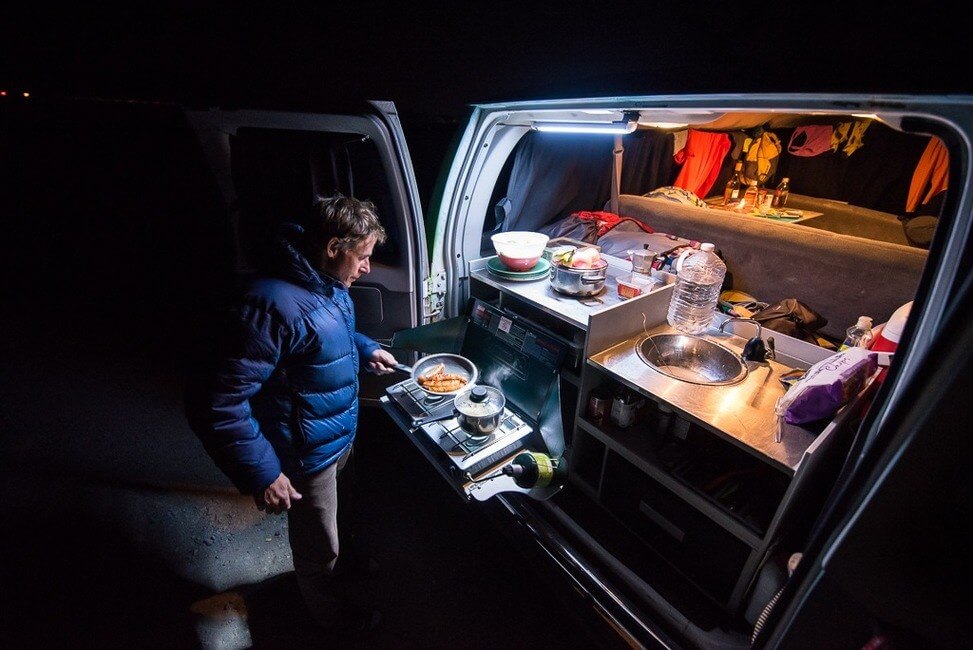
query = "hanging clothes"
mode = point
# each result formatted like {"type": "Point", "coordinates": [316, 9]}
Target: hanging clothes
{"type": "Point", "coordinates": [839, 134]}
{"type": "Point", "coordinates": [856, 139]}
{"type": "Point", "coordinates": [739, 139]}
{"type": "Point", "coordinates": [813, 140]}
{"type": "Point", "coordinates": [679, 146]}
{"type": "Point", "coordinates": [762, 157]}
{"type": "Point", "coordinates": [931, 175]}
{"type": "Point", "coordinates": [849, 136]}
{"type": "Point", "coordinates": [703, 156]}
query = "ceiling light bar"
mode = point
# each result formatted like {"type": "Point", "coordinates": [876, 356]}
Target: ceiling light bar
{"type": "Point", "coordinates": [626, 125]}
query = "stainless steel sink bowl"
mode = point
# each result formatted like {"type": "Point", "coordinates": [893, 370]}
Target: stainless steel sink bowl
{"type": "Point", "coordinates": [692, 359]}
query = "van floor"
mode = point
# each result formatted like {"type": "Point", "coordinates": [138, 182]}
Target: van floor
{"type": "Point", "coordinates": [120, 533]}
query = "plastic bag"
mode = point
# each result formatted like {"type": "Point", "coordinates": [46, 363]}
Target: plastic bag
{"type": "Point", "coordinates": [793, 318]}
{"type": "Point", "coordinates": [826, 387]}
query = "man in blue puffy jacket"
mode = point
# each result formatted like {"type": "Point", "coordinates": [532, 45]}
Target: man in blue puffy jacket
{"type": "Point", "coordinates": [277, 410]}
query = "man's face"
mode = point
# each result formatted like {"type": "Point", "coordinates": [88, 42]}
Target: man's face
{"type": "Point", "coordinates": [348, 265]}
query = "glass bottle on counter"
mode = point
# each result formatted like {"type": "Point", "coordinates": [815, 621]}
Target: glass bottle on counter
{"type": "Point", "coordinates": [731, 194]}
{"type": "Point", "coordinates": [750, 197]}
{"type": "Point", "coordinates": [782, 192]}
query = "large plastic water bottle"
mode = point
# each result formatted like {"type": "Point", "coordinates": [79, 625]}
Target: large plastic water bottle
{"type": "Point", "coordinates": [697, 291]}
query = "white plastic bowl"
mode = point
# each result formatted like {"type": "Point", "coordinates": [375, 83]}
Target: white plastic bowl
{"type": "Point", "coordinates": [519, 250]}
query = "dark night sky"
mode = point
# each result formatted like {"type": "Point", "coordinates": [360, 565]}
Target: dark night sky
{"type": "Point", "coordinates": [440, 56]}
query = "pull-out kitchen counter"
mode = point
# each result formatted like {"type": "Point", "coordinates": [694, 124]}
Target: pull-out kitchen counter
{"type": "Point", "coordinates": [699, 477]}
{"type": "Point", "coordinates": [664, 524]}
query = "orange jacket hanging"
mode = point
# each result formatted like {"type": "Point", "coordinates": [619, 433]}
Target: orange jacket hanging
{"type": "Point", "coordinates": [931, 172]}
{"type": "Point", "coordinates": [701, 158]}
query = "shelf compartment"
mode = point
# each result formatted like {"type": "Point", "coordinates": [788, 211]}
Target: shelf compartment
{"type": "Point", "coordinates": [705, 552]}
{"type": "Point", "coordinates": [640, 450]}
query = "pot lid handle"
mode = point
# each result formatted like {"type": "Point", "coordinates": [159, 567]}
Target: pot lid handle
{"type": "Point", "coordinates": [478, 394]}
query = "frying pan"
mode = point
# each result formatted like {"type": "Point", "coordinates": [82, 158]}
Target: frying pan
{"type": "Point", "coordinates": [454, 364]}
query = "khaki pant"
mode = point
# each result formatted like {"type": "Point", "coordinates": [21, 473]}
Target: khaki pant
{"type": "Point", "coordinates": [317, 544]}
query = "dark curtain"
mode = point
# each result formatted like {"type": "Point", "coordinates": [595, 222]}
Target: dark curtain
{"type": "Point", "coordinates": [879, 174]}
{"type": "Point", "coordinates": [647, 161]}
{"type": "Point", "coordinates": [554, 175]}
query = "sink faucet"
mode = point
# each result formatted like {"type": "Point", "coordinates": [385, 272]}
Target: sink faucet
{"type": "Point", "coordinates": [754, 350]}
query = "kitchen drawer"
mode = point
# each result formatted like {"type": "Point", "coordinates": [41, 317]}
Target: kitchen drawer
{"type": "Point", "coordinates": [701, 549]}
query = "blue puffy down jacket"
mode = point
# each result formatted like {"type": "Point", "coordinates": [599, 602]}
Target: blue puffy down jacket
{"type": "Point", "coordinates": [281, 393]}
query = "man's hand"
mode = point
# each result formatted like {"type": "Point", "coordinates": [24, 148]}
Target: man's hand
{"type": "Point", "coordinates": [277, 497]}
{"type": "Point", "coordinates": [381, 362]}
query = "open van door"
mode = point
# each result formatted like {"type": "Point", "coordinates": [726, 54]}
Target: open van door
{"type": "Point", "coordinates": [271, 165]}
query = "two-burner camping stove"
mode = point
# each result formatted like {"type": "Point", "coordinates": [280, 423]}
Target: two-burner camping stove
{"type": "Point", "coordinates": [512, 354]}
{"type": "Point", "coordinates": [469, 453]}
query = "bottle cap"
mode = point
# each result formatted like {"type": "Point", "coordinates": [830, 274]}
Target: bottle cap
{"type": "Point", "coordinates": [706, 246]}
{"type": "Point", "coordinates": [864, 321]}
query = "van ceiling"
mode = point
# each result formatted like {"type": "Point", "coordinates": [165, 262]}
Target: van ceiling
{"type": "Point", "coordinates": [733, 121]}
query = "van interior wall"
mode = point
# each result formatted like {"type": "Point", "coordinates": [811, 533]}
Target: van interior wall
{"type": "Point", "coordinates": [554, 175]}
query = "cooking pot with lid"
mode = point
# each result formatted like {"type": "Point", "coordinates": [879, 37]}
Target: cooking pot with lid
{"type": "Point", "coordinates": [579, 281]}
{"type": "Point", "coordinates": [479, 410]}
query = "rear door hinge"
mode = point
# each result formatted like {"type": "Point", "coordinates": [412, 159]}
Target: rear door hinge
{"type": "Point", "coordinates": [434, 294]}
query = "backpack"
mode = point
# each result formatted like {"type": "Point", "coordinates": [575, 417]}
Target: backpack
{"type": "Point", "coordinates": [760, 161]}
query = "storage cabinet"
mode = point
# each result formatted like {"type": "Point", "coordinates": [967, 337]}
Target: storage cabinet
{"type": "Point", "coordinates": [708, 554]}
{"type": "Point", "coordinates": [708, 503]}
{"type": "Point", "coordinates": [710, 508]}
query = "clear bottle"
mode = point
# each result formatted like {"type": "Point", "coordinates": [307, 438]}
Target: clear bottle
{"type": "Point", "coordinates": [782, 192]}
{"type": "Point", "coordinates": [731, 194]}
{"type": "Point", "coordinates": [859, 334]}
{"type": "Point", "coordinates": [697, 291]}
{"type": "Point", "coordinates": [751, 196]}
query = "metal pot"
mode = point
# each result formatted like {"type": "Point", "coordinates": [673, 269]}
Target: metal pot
{"type": "Point", "coordinates": [479, 410]}
{"type": "Point", "coordinates": [579, 282]}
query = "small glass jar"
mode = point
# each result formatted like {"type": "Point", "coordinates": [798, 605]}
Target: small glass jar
{"type": "Point", "coordinates": [624, 407]}
{"type": "Point", "coordinates": [599, 403]}
{"type": "Point", "coordinates": [765, 202]}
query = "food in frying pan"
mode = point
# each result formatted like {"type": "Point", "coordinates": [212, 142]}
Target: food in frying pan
{"type": "Point", "coordinates": [437, 380]}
